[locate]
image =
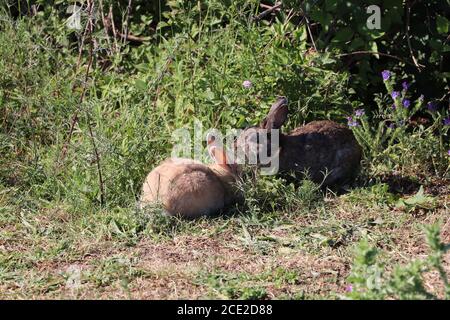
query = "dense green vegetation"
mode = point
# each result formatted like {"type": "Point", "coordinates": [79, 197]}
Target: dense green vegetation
{"type": "Point", "coordinates": [86, 112]}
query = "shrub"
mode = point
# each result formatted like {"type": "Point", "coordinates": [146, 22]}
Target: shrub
{"type": "Point", "coordinates": [122, 126]}
{"type": "Point", "coordinates": [392, 137]}
{"type": "Point", "coordinates": [369, 280]}
{"type": "Point", "coordinates": [411, 41]}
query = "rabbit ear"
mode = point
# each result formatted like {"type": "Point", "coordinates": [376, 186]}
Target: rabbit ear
{"type": "Point", "coordinates": [218, 154]}
{"type": "Point", "coordinates": [277, 115]}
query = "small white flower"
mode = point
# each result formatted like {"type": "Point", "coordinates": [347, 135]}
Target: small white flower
{"type": "Point", "coordinates": [247, 84]}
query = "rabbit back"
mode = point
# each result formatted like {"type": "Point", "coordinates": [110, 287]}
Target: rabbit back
{"type": "Point", "coordinates": [319, 147]}
{"type": "Point", "coordinates": [185, 188]}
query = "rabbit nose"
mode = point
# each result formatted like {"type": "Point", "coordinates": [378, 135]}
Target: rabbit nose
{"type": "Point", "coordinates": [281, 100]}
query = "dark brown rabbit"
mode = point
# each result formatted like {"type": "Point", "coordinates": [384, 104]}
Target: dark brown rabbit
{"type": "Point", "coordinates": [325, 149]}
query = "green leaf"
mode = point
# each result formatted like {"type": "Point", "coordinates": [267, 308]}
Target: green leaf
{"type": "Point", "coordinates": [388, 4]}
{"type": "Point", "coordinates": [419, 200]}
{"type": "Point", "coordinates": [357, 43]}
{"type": "Point", "coordinates": [343, 35]}
{"type": "Point", "coordinates": [374, 47]}
{"type": "Point", "coordinates": [140, 84]}
{"type": "Point", "coordinates": [331, 5]}
{"type": "Point", "coordinates": [375, 34]}
{"type": "Point", "coordinates": [323, 17]}
{"type": "Point", "coordinates": [442, 24]}
{"type": "Point", "coordinates": [302, 33]}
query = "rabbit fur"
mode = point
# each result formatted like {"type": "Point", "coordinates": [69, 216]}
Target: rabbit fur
{"type": "Point", "coordinates": [328, 151]}
{"type": "Point", "coordinates": [189, 188]}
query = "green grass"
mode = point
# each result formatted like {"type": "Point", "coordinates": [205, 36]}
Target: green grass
{"type": "Point", "coordinates": [66, 234]}
{"type": "Point", "coordinates": [276, 255]}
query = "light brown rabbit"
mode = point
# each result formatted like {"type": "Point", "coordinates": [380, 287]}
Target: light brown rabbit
{"type": "Point", "coordinates": [188, 188]}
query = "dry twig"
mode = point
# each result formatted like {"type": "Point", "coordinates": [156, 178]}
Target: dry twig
{"type": "Point", "coordinates": [88, 33]}
{"type": "Point", "coordinates": [268, 11]}
{"type": "Point", "coordinates": [408, 13]}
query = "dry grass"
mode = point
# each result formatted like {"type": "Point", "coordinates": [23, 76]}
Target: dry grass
{"type": "Point", "coordinates": [302, 256]}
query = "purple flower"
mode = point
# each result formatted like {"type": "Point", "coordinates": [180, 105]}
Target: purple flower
{"type": "Point", "coordinates": [405, 85]}
{"type": "Point", "coordinates": [447, 121]}
{"type": "Point", "coordinates": [352, 123]}
{"type": "Point", "coordinates": [431, 106]}
{"type": "Point", "coordinates": [393, 106]}
{"type": "Point", "coordinates": [391, 126]}
{"type": "Point", "coordinates": [349, 288]}
{"type": "Point", "coordinates": [359, 112]}
{"type": "Point", "coordinates": [421, 97]}
{"type": "Point", "coordinates": [386, 74]}
{"type": "Point", "coordinates": [406, 103]}
{"type": "Point", "coordinates": [395, 94]}
{"type": "Point", "coordinates": [247, 84]}
{"type": "Point", "coordinates": [448, 152]}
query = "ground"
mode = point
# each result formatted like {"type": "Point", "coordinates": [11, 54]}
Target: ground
{"type": "Point", "coordinates": [57, 253]}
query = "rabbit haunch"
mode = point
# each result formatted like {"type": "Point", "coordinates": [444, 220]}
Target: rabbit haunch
{"type": "Point", "coordinates": [189, 188]}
